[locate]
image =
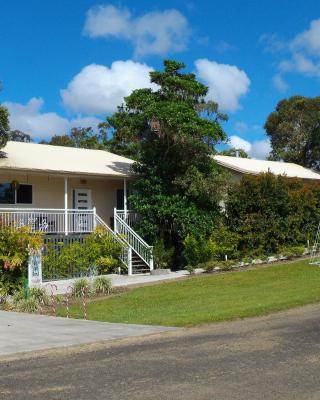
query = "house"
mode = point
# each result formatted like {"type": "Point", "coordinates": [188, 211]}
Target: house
{"type": "Point", "coordinates": [70, 191]}
{"type": "Point", "coordinates": [239, 167]}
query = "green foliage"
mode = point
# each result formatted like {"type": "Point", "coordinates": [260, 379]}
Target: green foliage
{"type": "Point", "coordinates": [81, 138]}
{"type": "Point", "coordinates": [28, 305]}
{"type": "Point", "coordinates": [162, 255]}
{"type": "Point", "coordinates": [171, 132]}
{"type": "Point", "coordinates": [40, 295]}
{"type": "Point", "coordinates": [268, 212]}
{"type": "Point", "coordinates": [292, 251]}
{"type": "Point", "coordinates": [102, 284]}
{"type": "Point", "coordinates": [197, 250]}
{"type": "Point", "coordinates": [294, 131]}
{"type": "Point", "coordinates": [99, 254]}
{"type": "Point", "coordinates": [81, 287]}
{"type": "Point", "coordinates": [211, 265]}
{"type": "Point", "coordinates": [224, 243]}
{"type": "Point", "coordinates": [15, 245]}
{"type": "Point", "coordinates": [4, 125]}
{"type": "Point", "coordinates": [232, 152]}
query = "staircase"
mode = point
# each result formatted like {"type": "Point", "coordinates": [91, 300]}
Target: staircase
{"type": "Point", "coordinates": [138, 265]}
{"type": "Point", "coordinates": [140, 253]}
{"type": "Point", "coordinates": [136, 254]}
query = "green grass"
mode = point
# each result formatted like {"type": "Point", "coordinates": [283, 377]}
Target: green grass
{"type": "Point", "coordinates": [211, 298]}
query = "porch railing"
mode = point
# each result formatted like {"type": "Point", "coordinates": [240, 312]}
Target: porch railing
{"type": "Point", "coordinates": [130, 217]}
{"type": "Point", "coordinates": [49, 220]}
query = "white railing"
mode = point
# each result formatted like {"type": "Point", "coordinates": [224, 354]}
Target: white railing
{"type": "Point", "coordinates": [137, 244]}
{"type": "Point", "coordinates": [130, 217]}
{"type": "Point", "coordinates": [49, 220]}
{"type": "Point", "coordinates": [126, 253]}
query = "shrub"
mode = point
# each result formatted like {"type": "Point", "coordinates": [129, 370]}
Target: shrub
{"type": "Point", "coordinates": [81, 287]}
{"type": "Point", "coordinates": [210, 266]}
{"type": "Point", "coordinates": [269, 212]}
{"type": "Point", "coordinates": [293, 251]}
{"type": "Point", "coordinates": [162, 255]}
{"type": "Point", "coordinates": [15, 246]}
{"type": "Point", "coordinates": [28, 305]}
{"type": "Point", "coordinates": [102, 284]}
{"type": "Point", "coordinates": [40, 295]}
{"type": "Point", "coordinates": [98, 254]}
{"type": "Point", "coordinates": [197, 250]}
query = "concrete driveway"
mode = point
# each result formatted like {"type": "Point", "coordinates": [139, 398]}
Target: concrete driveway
{"type": "Point", "coordinates": [26, 332]}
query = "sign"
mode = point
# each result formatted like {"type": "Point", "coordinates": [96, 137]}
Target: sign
{"type": "Point", "coordinates": [35, 269]}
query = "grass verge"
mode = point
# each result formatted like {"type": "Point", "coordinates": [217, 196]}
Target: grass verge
{"type": "Point", "coordinates": [210, 298]}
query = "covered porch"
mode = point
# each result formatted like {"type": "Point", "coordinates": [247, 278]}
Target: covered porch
{"type": "Point", "coordinates": [60, 205]}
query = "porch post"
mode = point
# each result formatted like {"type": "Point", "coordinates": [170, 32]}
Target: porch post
{"type": "Point", "coordinates": [66, 205]}
{"type": "Point", "coordinates": [125, 199]}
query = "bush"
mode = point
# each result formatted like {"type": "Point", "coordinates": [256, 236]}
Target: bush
{"type": "Point", "coordinates": [28, 305]}
{"type": "Point", "coordinates": [270, 212]}
{"type": "Point", "coordinates": [15, 246]}
{"type": "Point", "coordinates": [162, 255]}
{"type": "Point", "coordinates": [99, 254]}
{"type": "Point", "coordinates": [293, 251]}
{"type": "Point", "coordinates": [40, 295]}
{"type": "Point", "coordinates": [210, 266]}
{"type": "Point", "coordinates": [81, 287]}
{"type": "Point", "coordinates": [101, 284]}
{"type": "Point", "coordinates": [197, 250]}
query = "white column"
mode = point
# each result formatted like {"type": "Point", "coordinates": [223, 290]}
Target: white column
{"type": "Point", "coordinates": [130, 261]}
{"type": "Point", "coordinates": [125, 199]}
{"type": "Point", "coordinates": [94, 218]}
{"type": "Point", "coordinates": [66, 205]}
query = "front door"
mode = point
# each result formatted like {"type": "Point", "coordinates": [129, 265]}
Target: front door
{"type": "Point", "coordinates": [82, 199]}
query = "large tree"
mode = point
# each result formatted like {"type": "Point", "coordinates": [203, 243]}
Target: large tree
{"type": "Point", "coordinates": [82, 138]}
{"type": "Point", "coordinates": [171, 132]}
{"type": "Point", "coordinates": [294, 131]}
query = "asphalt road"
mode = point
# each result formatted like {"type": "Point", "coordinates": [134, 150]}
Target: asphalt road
{"type": "Point", "coordinates": [275, 357]}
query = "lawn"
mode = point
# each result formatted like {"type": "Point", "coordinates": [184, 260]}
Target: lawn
{"type": "Point", "coordinates": [210, 298]}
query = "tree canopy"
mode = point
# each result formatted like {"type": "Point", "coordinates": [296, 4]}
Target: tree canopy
{"type": "Point", "coordinates": [171, 133]}
{"type": "Point", "coordinates": [85, 138]}
{"type": "Point", "coordinates": [232, 152]}
{"type": "Point", "coordinates": [294, 131]}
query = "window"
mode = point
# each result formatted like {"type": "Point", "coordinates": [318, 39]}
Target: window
{"type": "Point", "coordinates": [24, 194]}
{"type": "Point", "coordinates": [21, 195]}
{"type": "Point", "coordinates": [7, 195]}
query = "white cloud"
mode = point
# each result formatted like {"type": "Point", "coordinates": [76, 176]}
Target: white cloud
{"type": "Point", "coordinates": [31, 120]}
{"type": "Point", "coordinates": [302, 54]}
{"type": "Point", "coordinates": [97, 89]}
{"type": "Point", "coordinates": [227, 83]}
{"type": "Point", "coordinates": [309, 40]}
{"type": "Point", "coordinates": [258, 149]}
{"type": "Point", "coordinates": [152, 33]}
{"type": "Point", "coordinates": [279, 83]}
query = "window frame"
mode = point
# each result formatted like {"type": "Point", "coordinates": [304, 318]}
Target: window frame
{"type": "Point", "coordinates": [15, 195]}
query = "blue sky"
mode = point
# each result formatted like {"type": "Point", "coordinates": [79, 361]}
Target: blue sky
{"type": "Point", "coordinates": [69, 63]}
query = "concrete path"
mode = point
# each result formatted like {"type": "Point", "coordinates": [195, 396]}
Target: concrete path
{"type": "Point", "coordinates": [61, 286]}
{"type": "Point", "coordinates": [26, 332]}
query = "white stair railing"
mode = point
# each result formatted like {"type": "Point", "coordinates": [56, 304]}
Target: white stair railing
{"type": "Point", "coordinates": [315, 248]}
{"type": "Point", "coordinates": [137, 244]}
{"type": "Point", "coordinates": [126, 254]}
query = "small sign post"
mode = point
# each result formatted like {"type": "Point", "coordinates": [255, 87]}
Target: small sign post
{"type": "Point", "coordinates": [35, 269]}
